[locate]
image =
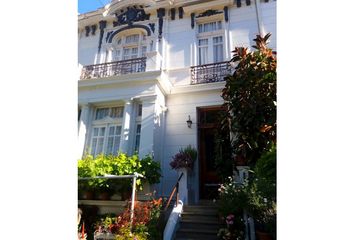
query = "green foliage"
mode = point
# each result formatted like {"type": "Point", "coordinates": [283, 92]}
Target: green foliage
{"type": "Point", "coordinates": [250, 99]}
{"type": "Point", "coordinates": [151, 170]}
{"type": "Point", "coordinates": [124, 234]}
{"type": "Point", "coordinates": [233, 200]}
{"type": "Point", "coordinates": [120, 164]}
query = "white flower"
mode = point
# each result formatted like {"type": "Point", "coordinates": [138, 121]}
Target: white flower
{"type": "Point", "coordinates": [265, 200]}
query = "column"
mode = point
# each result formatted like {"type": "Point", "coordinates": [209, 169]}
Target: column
{"type": "Point", "coordinates": [83, 128]}
{"type": "Point", "coordinates": [126, 125]}
{"type": "Point", "coordinates": [147, 126]}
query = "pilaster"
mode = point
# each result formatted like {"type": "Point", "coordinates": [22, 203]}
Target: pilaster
{"type": "Point", "coordinates": [83, 128]}
{"type": "Point", "coordinates": [126, 124]}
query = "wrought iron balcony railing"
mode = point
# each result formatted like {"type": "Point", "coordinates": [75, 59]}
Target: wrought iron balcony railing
{"type": "Point", "coordinates": [114, 68]}
{"type": "Point", "coordinates": [208, 73]}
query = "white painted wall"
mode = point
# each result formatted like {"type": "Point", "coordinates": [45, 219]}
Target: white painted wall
{"type": "Point", "coordinates": [269, 16]}
{"type": "Point", "coordinates": [178, 135]}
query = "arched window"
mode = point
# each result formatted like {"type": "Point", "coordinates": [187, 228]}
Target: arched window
{"type": "Point", "coordinates": [129, 44]}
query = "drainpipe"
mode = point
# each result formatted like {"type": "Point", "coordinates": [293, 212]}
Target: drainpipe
{"type": "Point", "coordinates": [259, 18]}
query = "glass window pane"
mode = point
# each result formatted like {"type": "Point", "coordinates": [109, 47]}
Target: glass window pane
{"type": "Point", "coordinates": [116, 112]}
{"type": "Point", "coordinates": [95, 132]}
{"type": "Point", "coordinates": [102, 130]}
{"type": "Point", "coordinates": [93, 147]}
{"type": "Point", "coordinates": [100, 146]}
{"type": "Point", "coordinates": [111, 131]}
{"type": "Point", "coordinates": [116, 145]}
{"type": "Point", "coordinates": [118, 130]}
{"type": "Point", "coordinates": [110, 145]}
{"type": "Point", "coordinates": [101, 113]}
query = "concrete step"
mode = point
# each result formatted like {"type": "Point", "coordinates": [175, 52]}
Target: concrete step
{"type": "Point", "coordinates": [202, 221]}
{"type": "Point", "coordinates": [197, 233]}
{"type": "Point", "coordinates": [201, 208]}
{"type": "Point", "coordinates": [200, 212]}
{"type": "Point", "coordinates": [199, 218]}
{"type": "Point", "coordinates": [200, 226]}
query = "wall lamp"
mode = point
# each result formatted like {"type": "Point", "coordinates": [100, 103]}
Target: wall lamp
{"type": "Point", "coordinates": [189, 121]}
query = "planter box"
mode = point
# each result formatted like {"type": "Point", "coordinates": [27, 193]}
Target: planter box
{"type": "Point", "coordinates": [104, 236]}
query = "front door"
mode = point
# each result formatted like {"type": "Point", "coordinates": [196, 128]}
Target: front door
{"type": "Point", "coordinates": [209, 180]}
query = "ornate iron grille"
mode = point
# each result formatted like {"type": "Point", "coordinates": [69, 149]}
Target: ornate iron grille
{"type": "Point", "coordinates": [114, 68]}
{"type": "Point", "coordinates": [208, 73]}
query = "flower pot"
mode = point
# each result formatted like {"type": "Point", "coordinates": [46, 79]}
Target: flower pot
{"type": "Point", "coordinates": [263, 236]}
{"type": "Point", "coordinates": [87, 195]}
{"type": "Point", "coordinates": [104, 196]}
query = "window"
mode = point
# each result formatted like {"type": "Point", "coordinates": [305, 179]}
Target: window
{"type": "Point", "coordinates": [129, 47]}
{"type": "Point", "coordinates": [97, 140]}
{"type": "Point", "coordinates": [209, 27]}
{"type": "Point", "coordinates": [113, 139]}
{"type": "Point", "coordinates": [137, 138]}
{"type": "Point", "coordinates": [114, 112]}
{"type": "Point", "coordinates": [101, 113]}
{"type": "Point", "coordinates": [210, 43]}
{"type": "Point", "coordinates": [139, 111]}
{"type": "Point", "coordinates": [106, 130]}
{"type": "Point", "coordinates": [203, 51]}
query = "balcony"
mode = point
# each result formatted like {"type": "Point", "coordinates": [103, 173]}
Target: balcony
{"type": "Point", "coordinates": [209, 73]}
{"type": "Point", "coordinates": [116, 68]}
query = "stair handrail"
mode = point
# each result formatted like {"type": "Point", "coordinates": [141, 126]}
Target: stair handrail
{"type": "Point", "coordinates": [175, 189]}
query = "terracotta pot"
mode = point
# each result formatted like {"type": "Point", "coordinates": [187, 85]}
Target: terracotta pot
{"type": "Point", "coordinates": [263, 236]}
{"type": "Point", "coordinates": [104, 196]}
{"type": "Point", "coordinates": [87, 195]}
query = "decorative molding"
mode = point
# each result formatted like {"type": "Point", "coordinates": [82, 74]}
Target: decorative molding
{"type": "Point", "coordinates": [132, 14]}
{"type": "Point", "coordinates": [238, 3]}
{"type": "Point", "coordinates": [87, 28]}
{"type": "Point", "coordinates": [226, 13]}
{"type": "Point", "coordinates": [208, 13]}
{"type": "Point", "coordinates": [192, 20]}
{"type": "Point", "coordinates": [129, 27]}
{"type": "Point", "coordinates": [108, 34]}
{"type": "Point", "coordinates": [160, 14]}
{"type": "Point", "coordinates": [173, 13]}
{"type": "Point", "coordinates": [152, 27]}
{"type": "Point", "coordinates": [180, 12]}
{"type": "Point", "coordinates": [248, 2]}
{"type": "Point", "coordinates": [93, 29]}
{"type": "Point", "coordinates": [103, 25]}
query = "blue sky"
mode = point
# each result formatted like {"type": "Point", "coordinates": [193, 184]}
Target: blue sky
{"type": "Point", "coordinates": [90, 5]}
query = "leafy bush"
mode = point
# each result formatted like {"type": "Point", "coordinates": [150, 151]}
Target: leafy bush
{"type": "Point", "coordinates": [145, 222]}
{"type": "Point", "coordinates": [120, 164]}
{"type": "Point", "coordinates": [250, 99]}
{"type": "Point", "coordinates": [185, 158]}
{"type": "Point", "coordinates": [233, 200]}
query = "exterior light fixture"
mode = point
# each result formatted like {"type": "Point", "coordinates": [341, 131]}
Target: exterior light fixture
{"type": "Point", "coordinates": [189, 121]}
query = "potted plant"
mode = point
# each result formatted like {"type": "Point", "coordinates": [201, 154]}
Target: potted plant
{"type": "Point", "coordinates": [262, 195]}
{"type": "Point", "coordinates": [184, 159]}
{"type": "Point", "coordinates": [86, 187]}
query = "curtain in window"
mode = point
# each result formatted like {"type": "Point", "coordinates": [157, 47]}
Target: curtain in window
{"type": "Point", "coordinates": [218, 49]}
{"type": "Point", "coordinates": [97, 140]}
{"type": "Point", "coordinates": [113, 139]}
{"type": "Point", "coordinates": [203, 51]}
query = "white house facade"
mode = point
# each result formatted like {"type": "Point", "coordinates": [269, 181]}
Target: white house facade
{"type": "Point", "coordinates": [148, 66]}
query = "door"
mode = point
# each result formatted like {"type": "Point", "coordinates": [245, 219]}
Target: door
{"type": "Point", "coordinates": [209, 180]}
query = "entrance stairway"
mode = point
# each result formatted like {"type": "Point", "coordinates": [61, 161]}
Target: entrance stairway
{"type": "Point", "coordinates": [199, 222]}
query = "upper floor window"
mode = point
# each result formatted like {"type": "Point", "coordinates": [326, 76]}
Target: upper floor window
{"type": "Point", "coordinates": [129, 47]}
{"type": "Point", "coordinates": [113, 112]}
{"type": "Point", "coordinates": [209, 27]}
{"type": "Point", "coordinates": [210, 43]}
